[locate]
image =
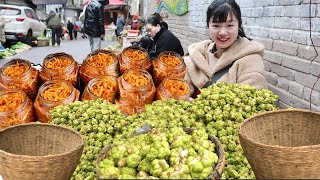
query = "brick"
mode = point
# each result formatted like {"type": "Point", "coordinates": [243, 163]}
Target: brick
{"type": "Point", "coordinates": [286, 34]}
{"type": "Point", "coordinates": [285, 22]}
{"type": "Point", "coordinates": [272, 78]}
{"type": "Point", "coordinates": [248, 21]}
{"type": "Point", "coordinates": [283, 83]}
{"type": "Point", "coordinates": [260, 32]}
{"type": "Point", "coordinates": [267, 66]}
{"type": "Point", "coordinates": [263, 3]}
{"type": "Point", "coordinates": [268, 43]}
{"type": "Point", "coordinates": [306, 52]}
{"type": "Point", "coordinates": [296, 63]}
{"type": "Point", "coordinates": [297, 102]}
{"type": "Point", "coordinates": [292, 11]}
{"type": "Point", "coordinates": [305, 11]}
{"type": "Point", "coordinates": [315, 38]}
{"type": "Point", "coordinates": [246, 12]}
{"type": "Point", "coordinates": [296, 89]}
{"type": "Point", "coordinates": [274, 33]}
{"type": "Point", "coordinates": [287, 2]}
{"type": "Point", "coordinates": [305, 24]}
{"type": "Point", "coordinates": [315, 69]}
{"type": "Point", "coordinates": [285, 47]}
{"type": "Point", "coordinates": [273, 11]}
{"type": "Point", "coordinates": [315, 96]}
{"type": "Point", "coordinates": [300, 37]}
{"type": "Point", "coordinates": [265, 22]}
{"type": "Point", "coordinates": [283, 72]}
{"type": "Point", "coordinates": [283, 95]}
{"type": "Point", "coordinates": [283, 105]}
{"type": "Point", "coordinates": [257, 12]}
{"type": "Point", "coordinates": [305, 79]}
{"type": "Point", "coordinates": [273, 57]}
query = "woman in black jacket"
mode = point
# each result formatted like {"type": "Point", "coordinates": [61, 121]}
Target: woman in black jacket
{"type": "Point", "coordinates": [94, 23]}
{"type": "Point", "coordinates": [164, 40]}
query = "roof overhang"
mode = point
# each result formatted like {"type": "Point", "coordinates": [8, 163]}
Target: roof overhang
{"type": "Point", "coordinates": [47, 2]}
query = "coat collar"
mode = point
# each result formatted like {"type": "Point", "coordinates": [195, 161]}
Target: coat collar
{"type": "Point", "coordinates": [156, 37]}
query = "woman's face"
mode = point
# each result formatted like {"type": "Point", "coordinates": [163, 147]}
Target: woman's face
{"type": "Point", "coordinates": [152, 30]}
{"type": "Point", "coordinates": [224, 34]}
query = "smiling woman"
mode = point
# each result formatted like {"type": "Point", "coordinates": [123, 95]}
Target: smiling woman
{"type": "Point", "coordinates": [229, 56]}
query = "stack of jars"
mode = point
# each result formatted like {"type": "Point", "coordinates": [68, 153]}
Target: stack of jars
{"type": "Point", "coordinates": [15, 108]}
{"type": "Point", "coordinates": [19, 74]}
{"type": "Point", "coordinates": [98, 63]}
{"type": "Point", "coordinates": [51, 94]}
{"type": "Point", "coordinates": [136, 88]}
{"type": "Point", "coordinates": [60, 66]}
{"type": "Point", "coordinates": [131, 83]}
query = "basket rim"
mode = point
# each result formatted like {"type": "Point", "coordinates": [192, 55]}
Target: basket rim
{"type": "Point", "coordinates": [275, 147]}
{"type": "Point", "coordinates": [46, 156]}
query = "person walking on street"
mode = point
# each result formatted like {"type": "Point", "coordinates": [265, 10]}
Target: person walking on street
{"type": "Point", "coordinates": [54, 23]}
{"type": "Point", "coordinates": [70, 27]}
{"type": "Point", "coordinates": [120, 24]}
{"type": "Point", "coordinates": [2, 37]}
{"type": "Point", "coordinates": [94, 24]}
{"type": "Point", "coordinates": [76, 28]}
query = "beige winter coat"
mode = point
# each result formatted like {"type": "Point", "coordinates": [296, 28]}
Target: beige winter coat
{"type": "Point", "coordinates": [2, 23]}
{"type": "Point", "coordinates": [247, 68]}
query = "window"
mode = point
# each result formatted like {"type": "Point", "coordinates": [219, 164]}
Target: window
{"type": "Point", "coordinates": [28, 13]}
{"type": "Point", "coordinates": [34, 15]}
{"type": "Point", "coordinates": [9, 11]}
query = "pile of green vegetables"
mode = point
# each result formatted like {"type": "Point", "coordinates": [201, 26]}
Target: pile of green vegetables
{"type": "Point", "coordinates": [161, 153]}
{"type": "Point", "coordinates": [218, 110]}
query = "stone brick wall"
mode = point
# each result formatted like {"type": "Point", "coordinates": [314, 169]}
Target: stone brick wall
{"type": "Point", "coordinates": [283, 27]}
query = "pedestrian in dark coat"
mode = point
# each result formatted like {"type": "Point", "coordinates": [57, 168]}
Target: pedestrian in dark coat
{"type": "Point", "coordinates": [164, 39]}
{"type": "Point", "coordinates": [70, 27]}
{"type": "Point", "coordinates": [94, 24]}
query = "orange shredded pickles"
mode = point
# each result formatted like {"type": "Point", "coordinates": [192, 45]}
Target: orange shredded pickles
{"type": "Point", "coordinates": [135, 55]}
{"type": "Point", "coordinates": [170, 60]}
{"type": "Point", "coordinates": [58, 63]}
{"type": "Point", "coordinates": [10, 101]}
{"type": "Point", "coordinates": [15, 70]}
{"type": "Point", "coordinates": [176, 87]}
{"type": "Point", "coordinates": [105, 87]}
{"type": "Point", "coordinates": [136, 79]}
{"type": "Point", "coordinates": [100, 60]}
{"type": "Point", "coordinates": [57, 92]}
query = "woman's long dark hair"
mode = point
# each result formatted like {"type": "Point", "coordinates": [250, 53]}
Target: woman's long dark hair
{"type": "Point", "coordinates": [219, 11]}
{"type": "Point", "coordinates": [153, 20]}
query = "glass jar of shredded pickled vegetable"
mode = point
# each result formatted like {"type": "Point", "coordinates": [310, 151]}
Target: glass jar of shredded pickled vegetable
{"type": "Point", "coordinates": [59, 66]}
{"type": "Point", "coordinates": [19, 74]}
{"type": "Point", "coordinates": [15, 108]}
{"type": "Point", "coordinates": [99, 63]}
{"type": "Point", "coordinates": [136, 88]}
{"type": "Point", "coordinates": [134, 57]}
{"type": "Point", "coordinates": [129, 109]}
{"type": "Point", "coordinates": [105, 87]}
{"type": "Point", "coordinates": [51, 94]}
{"type": "Point", "coordinates": [168, 64]}
{"type": "Point", "coordinates": [175, 88]}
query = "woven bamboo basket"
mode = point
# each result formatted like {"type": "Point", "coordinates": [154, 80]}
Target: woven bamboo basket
{"type": "Point", "coordinates": [217, 169]}
{"type": "Point", "coordinates": [283, 144]}
{"type": "Point", "coordinates": [37, 151]}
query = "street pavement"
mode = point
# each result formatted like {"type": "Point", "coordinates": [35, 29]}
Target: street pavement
{"type": "Point", "coordinates": [79, 49]}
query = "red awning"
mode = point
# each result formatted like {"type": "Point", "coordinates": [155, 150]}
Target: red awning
{"type": "Point", "coordinates": [116, 2]}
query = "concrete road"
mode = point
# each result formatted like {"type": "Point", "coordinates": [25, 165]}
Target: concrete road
{"type": "Point", "coordinates": [79, 49]}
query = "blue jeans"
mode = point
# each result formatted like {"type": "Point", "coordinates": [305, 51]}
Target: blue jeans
{"type": "Point", "coordinates": [95, 43]}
